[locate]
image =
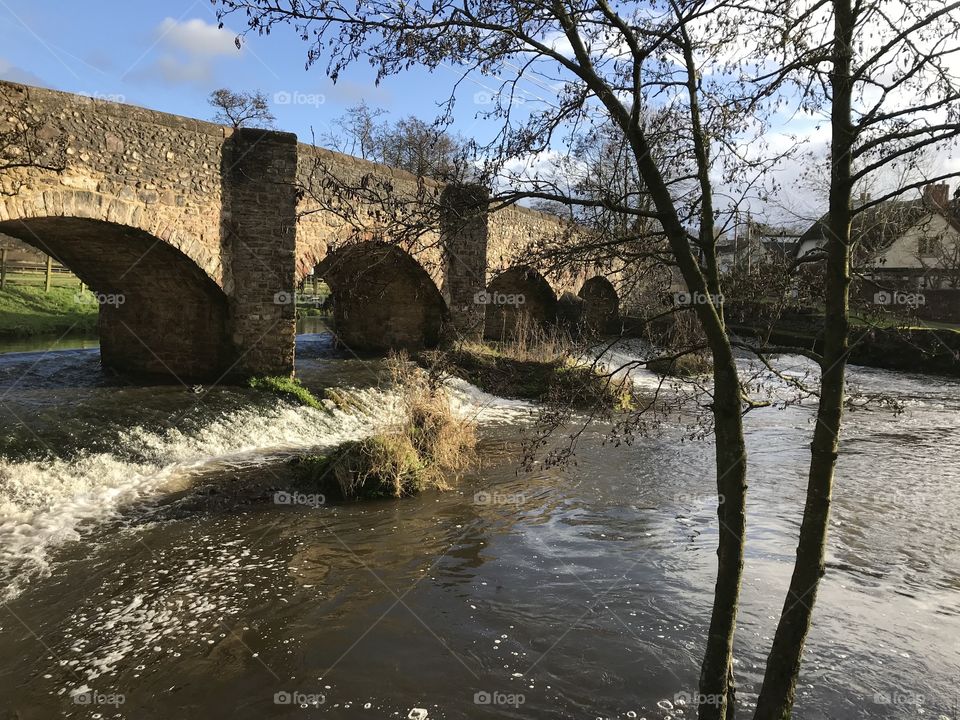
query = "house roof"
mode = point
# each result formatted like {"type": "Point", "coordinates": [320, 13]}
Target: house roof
{"type": "Point", "coordinates": [772, 238]}
{"type": "Point", "coordinates": [877, 228]}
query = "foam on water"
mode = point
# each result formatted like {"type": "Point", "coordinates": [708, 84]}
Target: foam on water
{"type": "Point", "coordinates": [473, 403]}
{"type": "Point", "coordinates": [157, 613]}
{"type": "Point", "coordinates": [44, 504]}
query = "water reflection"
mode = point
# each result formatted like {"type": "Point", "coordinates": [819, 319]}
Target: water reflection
{"type": "Point", "coordinates": [586, 590]}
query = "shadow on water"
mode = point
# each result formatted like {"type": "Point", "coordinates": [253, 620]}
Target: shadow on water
{"type": "Point", "coordinates": [583, 592]}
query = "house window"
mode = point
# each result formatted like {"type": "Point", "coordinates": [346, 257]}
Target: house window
{"type": "Point", "coordinates": [926, 246]}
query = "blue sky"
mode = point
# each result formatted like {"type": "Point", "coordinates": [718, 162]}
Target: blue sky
{"type": "Point", "coordinates": [169, 55]}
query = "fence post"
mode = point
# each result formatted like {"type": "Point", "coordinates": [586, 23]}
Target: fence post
{"type": "Point", "coordinates": [3, 268]}
{"type": "Point", "coordinates": [46, 286]}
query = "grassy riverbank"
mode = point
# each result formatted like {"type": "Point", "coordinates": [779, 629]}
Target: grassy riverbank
{"type": "Point", "coordinates": [28, 311]}
{"type": "Point", "coordinates": [544, 373]}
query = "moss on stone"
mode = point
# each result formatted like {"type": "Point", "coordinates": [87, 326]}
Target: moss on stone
{"type": "Point", "coordinates": [286, 387]}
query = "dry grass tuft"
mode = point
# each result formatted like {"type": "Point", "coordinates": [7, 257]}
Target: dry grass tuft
{"type": "Point", "coordinates": [427, 448]}
{"type": "Point", "coordinates": [537, 363]}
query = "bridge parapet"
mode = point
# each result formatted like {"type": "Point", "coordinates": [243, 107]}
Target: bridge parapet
{"type": "Point", "coordinates": [208, 229]}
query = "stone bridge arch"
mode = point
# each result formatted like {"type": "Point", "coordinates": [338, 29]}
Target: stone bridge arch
{"type": "Point", "coordinates": [518, 299]}
{"type": "Point", "coordinates": [382, 298]}
{"type": "Point", "coordinates": [223, 216]}
{"type": "Point", "coordinates": [601, 306]}
{"type": "Point", "coordinates": [161, 312]}
{"type": "Point", "coordinates": [136, 214]}
{"type": "Point", "coordinates": [193, 223]}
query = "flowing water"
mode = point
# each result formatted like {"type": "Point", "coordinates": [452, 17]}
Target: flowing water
{"type": "Point", "coordinates": [135, 585]}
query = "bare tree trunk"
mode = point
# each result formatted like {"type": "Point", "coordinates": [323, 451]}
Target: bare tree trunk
{"type": "Point", "coordinates": [716, 672]}
{"type": "Point", "coordinates": [783, 664]}
{"type": "Point", "coordinates": [717, 689]}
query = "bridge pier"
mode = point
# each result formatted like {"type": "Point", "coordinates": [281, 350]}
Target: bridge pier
{"type": "Point", "coordinates": [201, 229]}
{"type": "Point", "coordinates": [259, 236]}
{"type": "Point", "coordinates": [464, 234]}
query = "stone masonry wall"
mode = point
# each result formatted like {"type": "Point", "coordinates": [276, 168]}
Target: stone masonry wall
{"type": "Point", "coordinates": [260, 238]}
{"type": "Point", "coordinates": [153, 171]}
{"type": "Point", "coordinates": [237, 216]}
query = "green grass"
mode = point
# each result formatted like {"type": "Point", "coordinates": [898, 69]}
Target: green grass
{"type": "Point", "coordinates": [27, 311]}
{"type": "Point", "coordinates": [286, 387]}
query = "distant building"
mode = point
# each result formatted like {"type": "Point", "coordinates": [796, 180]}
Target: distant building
{"type": "Point", "coordinates": [754, 244]}
{"type": "Point", "coordinates": [907, 243]}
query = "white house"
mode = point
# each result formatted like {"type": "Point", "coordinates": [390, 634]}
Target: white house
{"type": "Point", "coordinates": [913, 243]}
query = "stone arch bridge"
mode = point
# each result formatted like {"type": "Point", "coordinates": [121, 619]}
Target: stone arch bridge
{"type": "Point", "coordinates": [205, 232]}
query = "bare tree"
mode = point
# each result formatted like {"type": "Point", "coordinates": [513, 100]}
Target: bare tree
{"type": "Point", "coordinates": [882, 71]}
{"type": "Point", "coordinates": [356, 131]}
{"type": "Point", "coordinates": [612, 66]}
{"type": "Point", "coordinates": [425, 149]}
{"type": "Point", "coordinates": [685, 59]}
{"type": "Point", "coordinates": [241, 109]}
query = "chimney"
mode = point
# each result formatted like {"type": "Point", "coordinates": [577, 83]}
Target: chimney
{"type": "Point", "coordinates": [937, 196]}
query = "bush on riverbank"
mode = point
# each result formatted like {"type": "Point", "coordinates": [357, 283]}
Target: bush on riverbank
{"type": "Point", "coordinates": [286, 387]}
{"type": "Point", "coordinates": [27, 311]}
{"type": "Point", "coordinates": [421, 450]}
{"type": "Point", "coordinates": [685, 366]}
{"type": "Point", "coordinates": [383, 465]}
{"type": "Point", "coordinates": [544, 373]}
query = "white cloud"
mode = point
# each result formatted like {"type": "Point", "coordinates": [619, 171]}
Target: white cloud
{"type": "Point", "coordinates": [196, 37]}
{"type": "Point", "coordinates": [188, 52]}
{"type": "Point", "coordinates": [175, 72]}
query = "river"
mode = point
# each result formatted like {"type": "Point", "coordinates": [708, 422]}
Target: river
{"type": "Point", "coordinates": [581, 592]}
